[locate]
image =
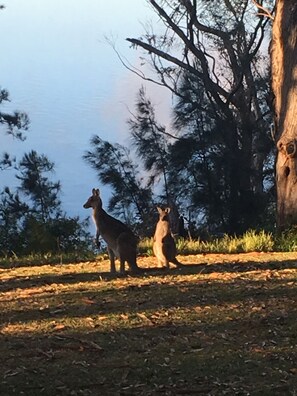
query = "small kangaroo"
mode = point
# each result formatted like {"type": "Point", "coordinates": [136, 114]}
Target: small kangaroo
{"type": "Point", "coordinates": [120, 240]}
{"type": "Point", "coordinates": [164, 245]}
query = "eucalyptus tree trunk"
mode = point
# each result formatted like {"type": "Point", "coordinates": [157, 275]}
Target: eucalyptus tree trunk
{"type": "Point", "coordinates": [284, 85]}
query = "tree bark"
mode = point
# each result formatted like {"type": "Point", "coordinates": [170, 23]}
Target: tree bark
{"type": "Point", "coordinates": [284, 85]}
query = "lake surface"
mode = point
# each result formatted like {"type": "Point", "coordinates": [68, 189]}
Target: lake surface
{"type": "Point", "coordinates": [59, 69]}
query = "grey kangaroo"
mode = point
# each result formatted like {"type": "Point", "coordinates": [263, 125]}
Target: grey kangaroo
{"type": "Point", "coordinates": [164, 245]}
{"type": "Point", "coordinates": [120, 240]}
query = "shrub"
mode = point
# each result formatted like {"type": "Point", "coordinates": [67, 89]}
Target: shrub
{"type": "Point", "coordinates": [287, 240]}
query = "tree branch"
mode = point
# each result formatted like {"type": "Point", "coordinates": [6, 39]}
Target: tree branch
{"type": "Point", "coordinates": [264, 10]}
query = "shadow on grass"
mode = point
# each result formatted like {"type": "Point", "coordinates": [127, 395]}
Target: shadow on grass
{"type": "Point", "coordinates": [194, 357]}
{"type": "Point", "coordinates": [24, 282]}
{"type": "Point", "coordinates": [154, 296]}
{"type": "Point", "coordinates": [165, 333]}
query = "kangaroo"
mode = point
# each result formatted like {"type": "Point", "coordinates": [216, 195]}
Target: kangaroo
{"type": "Point", "coordinates": [164, 245]}
{"type": "Point", "coordinates": [120, 240]}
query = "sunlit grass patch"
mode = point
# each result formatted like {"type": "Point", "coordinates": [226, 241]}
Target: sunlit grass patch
{"type": "Point", "coordinates": [249, 242]}
{"type": "Point", "coordinates": [221, 323]}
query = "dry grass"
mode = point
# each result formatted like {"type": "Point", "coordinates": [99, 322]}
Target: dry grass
{"type": "Point", "coordinates": [222, 325]}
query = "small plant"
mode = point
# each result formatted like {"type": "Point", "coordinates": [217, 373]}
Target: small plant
{"type": "Point", "coordinates": [287, 241]}
{"type": "Point", "coordinates": [145, 247]}
{"type": "Point", "coordinates": [258, 242]}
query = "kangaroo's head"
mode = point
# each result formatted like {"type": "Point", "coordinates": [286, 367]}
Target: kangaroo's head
{"type": "Point", "coordinates": [94, 201]}
{"type": "Point", "coordinates": [163, 213]}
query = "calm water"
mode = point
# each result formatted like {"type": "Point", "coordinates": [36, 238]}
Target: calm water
{"type": "Point", "coordinates": [59, 69]}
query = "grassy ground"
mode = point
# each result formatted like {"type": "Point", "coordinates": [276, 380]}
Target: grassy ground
{"type": "Point", "coordinates": [222, 325]}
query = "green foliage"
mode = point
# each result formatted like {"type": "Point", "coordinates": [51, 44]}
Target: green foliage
{"type": "Point", "coordinates": [257, 241]}
{"type": "Point", "coordinates": [12, 213]}
{"type": "Point", "coordinates": [131, 200]}
{"type": "Point", "coordinates": [145, 246]}
{"type": "Point", "coordinates": [75, 245]}
{"type": "Point", "coordinates": [15, 123]}
{"type": "Point", "coordinates": [56, 235]}
{"type": "Point", "coordinates": [220, 163]}
{"type": "Point", "coordinates": [149, 138]}
{"type": "Point", "coordinates": [34, 183]}
{"type": "Point", "coordinates": [31, 220]}
{"type": "Point", "coordinates": [211, 171]}
{"type": "Point", "coordinates": [251, 241]}
{"type": "Point", "coordinates": [39, 259]}
{"type": "Point", "coordinates": [287, 240]}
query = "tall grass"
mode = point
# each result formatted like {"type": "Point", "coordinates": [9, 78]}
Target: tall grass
{"type": "Point", "coordinates": [249, 242]}
{"type": "Point", "coordinates": [45, 258]}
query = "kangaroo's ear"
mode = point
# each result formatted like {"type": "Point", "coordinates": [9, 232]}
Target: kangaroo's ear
{"type": "Point", "coordinates": [159, 209]}
{"type": "Point", "coordinates": [167, 210]}
{"type": "Point", "coordinates": [95, 192]}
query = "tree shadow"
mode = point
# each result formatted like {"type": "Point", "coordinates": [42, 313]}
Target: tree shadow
{"type": "Point", "coordinates": [133, 299]}
{"type": "Point", "coordinates": [197, 336]}
{"type": "Point", "coordinates": [25, 282]}
{"type": "Point", "coordinates": [201, 357]}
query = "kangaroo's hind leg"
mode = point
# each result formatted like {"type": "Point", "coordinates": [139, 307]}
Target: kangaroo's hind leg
{"type": "Point", "coordinates": [122, 266]}
{"type": "Point", "coordinates": [133, 264]}
{"type": "Point", "coordinates": [112, 260]}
